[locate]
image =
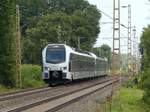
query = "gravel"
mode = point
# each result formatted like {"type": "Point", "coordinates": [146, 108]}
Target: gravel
{"type": "Point", "coordinates": [90, 103]}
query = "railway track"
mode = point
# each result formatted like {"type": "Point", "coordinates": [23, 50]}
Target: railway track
{"type": "Point", "coordinates": [19, 91]}
{"type": "Point", "coordinates": [35, 98]}
{"type": "Point", "coordinates": [14, 95]}
{"type": "Point", "coordinates": [52, 105]}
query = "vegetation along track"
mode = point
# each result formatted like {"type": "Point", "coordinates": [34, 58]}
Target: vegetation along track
{"type": "Point", "coordinates": [57, 93]}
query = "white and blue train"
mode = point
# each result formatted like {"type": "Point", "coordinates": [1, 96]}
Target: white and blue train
{"type": "Point", "coordinates": [62, 63]}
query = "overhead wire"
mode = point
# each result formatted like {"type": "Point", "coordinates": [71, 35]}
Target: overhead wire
{"type": "Point", "coordinates": [107, 15]}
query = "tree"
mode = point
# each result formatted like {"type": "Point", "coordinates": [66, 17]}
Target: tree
{"type": "Point", "coordinates": [31, 11]}
{"type": "Point", "coordinates": [86, 24]}
{"type": "Point", "coordinates": [67, 6]}
{"type": "Point", "coordinates": [7, 42]}
{"type": "Point", "coordinates": [145, 46]}
{"type": "Point", "coordinates": [46, 31]}
{"type": "Point", "coordinates": [103, 51]}
{"type": "Point", "coordinates": [145, 81]}
{"type": "Point", "coordinates": [64, 20]}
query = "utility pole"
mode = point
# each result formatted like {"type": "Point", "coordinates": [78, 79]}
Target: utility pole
{"type": "Point", "coordinates": [116, 45]}
{"type": "Point", "coordinates": [59, 33]}
{"type": "Point", "coordinates": [116, 37]}
{"type": "Point", "coordinates": [135, 51]}
{"type": "Point", "coordinates": [18, 49]}
{"type": "Point", "coordinates": [78, 42]}
{"type": "Point", "coordinates": [129, 40]}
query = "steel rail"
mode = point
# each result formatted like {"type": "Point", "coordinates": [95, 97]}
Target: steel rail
{"type": "Point", "coordinates": [26, 92]}
{"type": "Point", "coordinates": [53, 98]}
{"type": "Point", "coordinates": [19, 91]}
{"type": "Point", "coordinates": [22, 93]}
{"type": "Point", "coordinates": [77, 99]}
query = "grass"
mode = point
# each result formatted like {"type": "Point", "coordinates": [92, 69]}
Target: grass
{"type": "Point", "coordinates": [31, 78]}
{"type": "Point", "coordinates": [4, 89]}
{"type": "Point", "coordinates": [129, 100]}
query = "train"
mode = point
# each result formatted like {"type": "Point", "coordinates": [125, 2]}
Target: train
{"type": "Point", "coordinates": [62, 63]}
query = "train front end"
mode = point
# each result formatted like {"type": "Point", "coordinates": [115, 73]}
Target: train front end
{"type": "Point", "coordinates": [55, 65]}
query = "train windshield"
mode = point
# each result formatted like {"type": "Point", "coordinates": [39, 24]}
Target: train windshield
{"type": "Point", "coordinates": [55, 55]}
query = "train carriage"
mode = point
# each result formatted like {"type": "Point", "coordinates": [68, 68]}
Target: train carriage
{"type": "Point", "coordinates": [62, 63]}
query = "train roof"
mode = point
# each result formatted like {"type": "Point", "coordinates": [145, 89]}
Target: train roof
{"type": "Point", "coordinates": [79, 51]}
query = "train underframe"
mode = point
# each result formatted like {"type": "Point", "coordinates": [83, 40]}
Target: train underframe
{"type": "Point", "coordinates": [56, 77]}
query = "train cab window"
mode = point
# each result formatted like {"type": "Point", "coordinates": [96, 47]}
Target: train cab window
{"type": "Point", "coordinates": [55, 55]}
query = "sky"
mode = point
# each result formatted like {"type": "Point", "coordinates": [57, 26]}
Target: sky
{"type": "Point", "coordinates": [140, 14]}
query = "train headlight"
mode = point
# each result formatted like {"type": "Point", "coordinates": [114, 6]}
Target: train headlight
{"type": "Point", "coordinates": [64, 68]}
{"type": "Point", "coordinates": [46, 75]}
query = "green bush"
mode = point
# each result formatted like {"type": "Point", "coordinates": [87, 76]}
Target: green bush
{"type": "Point", "coordinates": [132, 82]}
{"type": "Point", "coordinates": [31, 76]}
{"type": "Point", "coordinates": [145, 85]}
{"type": "Point", "coordinates": [145, 80]}
{"type": "Point", "coordinates": [129, 100]}
{"type": "Point", "coordinates": [129, 84]}
{"type": "Point", "coordinates": [5, 89]}
{"type": "Point", "coordinates": [146, 98]}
